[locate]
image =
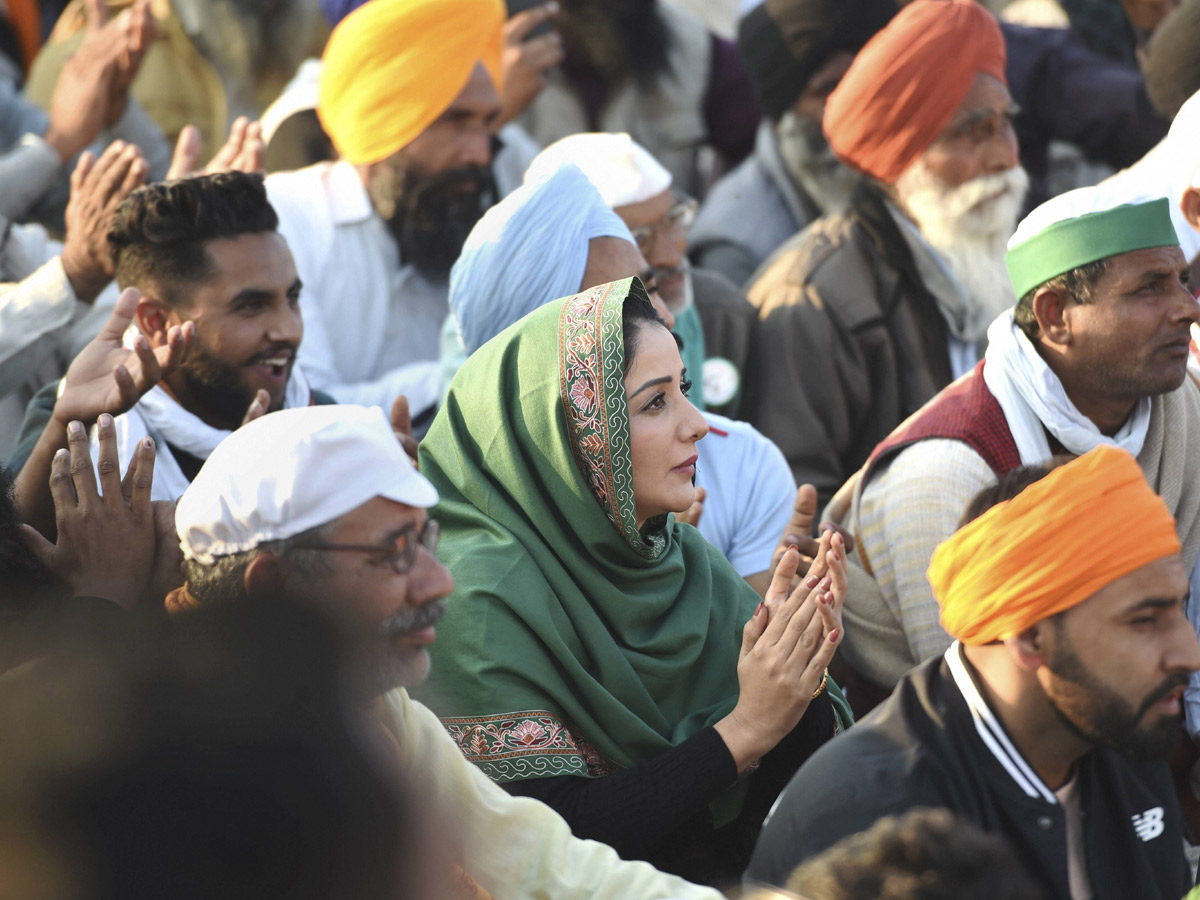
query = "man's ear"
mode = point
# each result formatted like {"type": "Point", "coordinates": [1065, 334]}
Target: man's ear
{"type": "Point", "coordinates": [1028, 649]}
{"type": "Point", "coordinates": [1049, 307]}
{"type": "Point", "coordinates": [1189, 205]}
{"type": "Point", "coordinates": [264, 575]}
{"type": "Point", "coordinates": [154, 318]}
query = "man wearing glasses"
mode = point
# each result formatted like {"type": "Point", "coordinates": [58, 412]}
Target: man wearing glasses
{"type": "Point", "coordinates": [322, 505]}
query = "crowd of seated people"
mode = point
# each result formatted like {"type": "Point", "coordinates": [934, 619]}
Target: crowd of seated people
{"type": "Point", "coordinates": [586, 449]}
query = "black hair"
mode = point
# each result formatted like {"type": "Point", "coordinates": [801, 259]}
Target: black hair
{"type": "Point", "coordinates": [637, 312]}
{"type": "Point", "coordinates": [1080, 283]}
{"type": "Point", "coordinates": [158, 233]}
{"type": "Point", "coordinates": [925, 854]}
{"type": "Point", "coordinates": [1008, 486]}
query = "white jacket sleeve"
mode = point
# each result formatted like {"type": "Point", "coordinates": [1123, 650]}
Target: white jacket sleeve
{"type": "Point", "coordinates": [517, 846]}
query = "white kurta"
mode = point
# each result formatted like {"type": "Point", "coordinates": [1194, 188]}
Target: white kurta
{"type": "Point", "coordinates": [371, 322]}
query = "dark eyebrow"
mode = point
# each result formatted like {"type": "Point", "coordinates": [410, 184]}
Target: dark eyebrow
{"type": "Point", "coordinates": [973, 118]}
{"type": "Point", "coordinates": [248, 294]}
{"type": "Point", "coordinates": [666, 379]}
{"type": "Point", "coordinates": [297, 287]}
{"type": "Point", "coordinates": [1154, 603]}
{"type": "Point", "coordinates": [1157, 275]}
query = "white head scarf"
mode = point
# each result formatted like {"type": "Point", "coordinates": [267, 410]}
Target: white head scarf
{"type": "Point", "coordinates": [617, 166]}
{"type": "Point", "coordinates": [502, 272]}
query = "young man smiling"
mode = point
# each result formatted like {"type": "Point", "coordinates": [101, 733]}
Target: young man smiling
{"type": "Point", "coordinates": [203, 250]}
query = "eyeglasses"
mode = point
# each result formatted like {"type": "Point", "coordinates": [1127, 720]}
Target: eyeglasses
{"type": "Point", "coordinates": [402, 554]}
{"type": "Point", "coordinates": [678, 218]}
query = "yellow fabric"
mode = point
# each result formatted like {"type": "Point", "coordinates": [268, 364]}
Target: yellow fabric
{"type": "Point", "coordinates": [1054, 545]}
{"type": "Point", "coordinates": [392, 67]}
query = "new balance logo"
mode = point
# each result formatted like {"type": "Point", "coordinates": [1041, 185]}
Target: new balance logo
{"type": "Point", "coordinates": [1149, 824]}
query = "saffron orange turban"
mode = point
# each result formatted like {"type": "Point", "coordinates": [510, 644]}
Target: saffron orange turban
{"type": "Point", "coordinates": [392, 67]}
{"type": "Point", "coordinates": [908, 81]}
{"type": "Point", "coordinates": [1054, 545]}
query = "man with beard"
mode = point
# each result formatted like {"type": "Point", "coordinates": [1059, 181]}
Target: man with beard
{"type": "Point", "coordinates": [869, 312]}
{"type": "Point", "coordinates": [1095, 352]}
{"type": "Point", "coordinates": [201, 250]}
{"type": "Point", "coordinates": [408, 95]}
{"type": "Point", "coordinates": [712, 317]}
{"type": "Point", "coordinates": [335, 516]}
{"type": "Point", "coordinates": [796, 52]}
{"type": "Point", "coordinates": [1050, 717]}
{"type": "Point", "coordinates": [652, 70]}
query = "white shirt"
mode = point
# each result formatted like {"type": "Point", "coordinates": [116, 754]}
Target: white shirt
{"type": "Point", "coordinates": [517, 846]}
{"type": "Point", "coordinates": [371, 322]}
{"type": "Point", "coordinates": [750, 491]}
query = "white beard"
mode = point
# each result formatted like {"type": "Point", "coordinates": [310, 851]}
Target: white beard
{"type": "Point", "coordinates": [970, 234]}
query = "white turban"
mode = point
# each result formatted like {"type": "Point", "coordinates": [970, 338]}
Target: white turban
{"type": "Point", "coordinates": [1168, 170]}
{"type": "Point", "coordinates": [618, 167]}
{"type": "Point", "coordinates": [529, 249]}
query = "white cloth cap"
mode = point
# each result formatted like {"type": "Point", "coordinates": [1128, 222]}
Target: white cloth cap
{"type": "Point", "coordinates": [1074, 204]}
{"type": "Point", "coordinates": [530, 248]}
{"type": "Point", "coordinates": [290, 471]}
{"type": "Point", "coordinates": [618, 167]}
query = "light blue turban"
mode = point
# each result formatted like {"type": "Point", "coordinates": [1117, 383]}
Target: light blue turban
{"type": "Point", "coordinates": [529, 249]}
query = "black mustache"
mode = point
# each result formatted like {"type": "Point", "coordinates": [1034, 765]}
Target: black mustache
{"type": "Point", "coordinates": [407, 621]}
{"type": "Point", "coordinates": [1170, 685]}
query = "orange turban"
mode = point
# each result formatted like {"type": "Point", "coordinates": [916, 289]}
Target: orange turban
{"type": "Point", "coordinates": [1055, 544]}
{"type": "Point", "coordinates": [392, 67]}
{"type": "Point", "coordinates": [908, 81]}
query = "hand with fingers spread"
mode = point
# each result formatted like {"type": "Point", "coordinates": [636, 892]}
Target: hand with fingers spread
{"type": "Point", "coordinates": [402, 426]}
{"type": "Point", "coordinates": [243, 151]}
{"type": "Point", "coordinates": [786, 647]}
{"type": "Point", "coordinates": [106, 377]}
{"type": "Point", "coordinates": [105, 544]}
{"type": "Point", "coordinates": [97, 188]}
{"type": "Point", "coordinates": [526, 59]}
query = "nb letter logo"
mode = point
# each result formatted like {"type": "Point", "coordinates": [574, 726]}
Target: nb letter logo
{"type": "Point", "coordinates": [1149, 824]}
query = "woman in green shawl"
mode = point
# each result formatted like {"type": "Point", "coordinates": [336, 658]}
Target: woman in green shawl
{"type": "Point", "coordinates": [596, 654]}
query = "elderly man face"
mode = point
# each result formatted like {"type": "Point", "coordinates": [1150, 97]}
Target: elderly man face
{"type": "Point", "coordinates": [965, 191]}
{"type": "Point", "coordinates": [659, 226]}
{"type": "Point", "coordinates": [378, 574]}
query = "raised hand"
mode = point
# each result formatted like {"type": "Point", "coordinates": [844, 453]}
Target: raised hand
{"type": "Point", "coordinates": [106, 544]}
{"type": "Point", "coordinates": [258, 407]}
{"type": "Point", "coordinates": [131, 32]}
{"type": "Point", "coordinates": [402, 427]}
{"type": "Point", "coordinates": [97, 188]}
{"type": "Point", "coordinates": [525, 59]}
{"type": "Point", "coordinates": [243, 151]}
{"type": "Point", "coordinates": [108, 378]}
{"type": "Point", "coordinates": [786, 646]}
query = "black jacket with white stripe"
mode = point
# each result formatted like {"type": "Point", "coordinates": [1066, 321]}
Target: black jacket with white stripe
{"type": "Point", "coordinates": [935, 743]}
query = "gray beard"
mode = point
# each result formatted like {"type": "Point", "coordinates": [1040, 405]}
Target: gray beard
{"type": "Point", "coordinates": [809, 160]}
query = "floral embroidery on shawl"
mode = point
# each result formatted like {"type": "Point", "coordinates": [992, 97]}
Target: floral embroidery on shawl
{"type": "Point", "coordinates": [591, 355]}
{"type": "Point", "coordinates": [529, 744]}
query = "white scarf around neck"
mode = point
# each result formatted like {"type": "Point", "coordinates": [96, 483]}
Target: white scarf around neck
{"type": "Point", "coordinates": [1034, 400]}
{"type": "Point", "coordinates": [160, 415]}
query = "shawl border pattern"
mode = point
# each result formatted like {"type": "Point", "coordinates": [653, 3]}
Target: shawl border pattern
{"type": "Point", "coordinates": [525, 744]}
{"type": "Point", "coordinates": [592, 386]}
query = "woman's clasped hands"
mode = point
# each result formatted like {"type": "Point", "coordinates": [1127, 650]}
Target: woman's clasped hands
{"type": "Point", "coordinates": [786, 646]}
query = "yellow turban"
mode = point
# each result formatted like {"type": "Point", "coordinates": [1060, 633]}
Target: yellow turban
{"type": "Point", "coordinates": [392, 67]}
{"type": "Point", "coordinates": [1054, 545]}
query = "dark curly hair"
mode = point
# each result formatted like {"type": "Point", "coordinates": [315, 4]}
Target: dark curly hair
{"type": "Point", "coordinates": [158, 233]}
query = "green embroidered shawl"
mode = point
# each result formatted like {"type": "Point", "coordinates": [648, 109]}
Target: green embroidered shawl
{"type": "Point", "coordinates": [572, 644]}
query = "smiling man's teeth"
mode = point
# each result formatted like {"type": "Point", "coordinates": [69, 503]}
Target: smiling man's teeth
{"type": "Point", "coordinates": [278, 361]}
